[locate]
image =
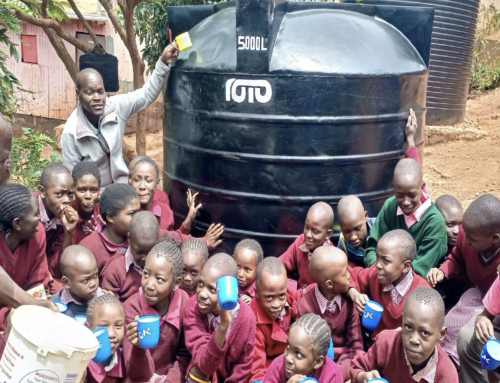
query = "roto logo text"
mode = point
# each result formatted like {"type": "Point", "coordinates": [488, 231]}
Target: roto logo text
{"type": "Point", "coordinates": [260, 90]}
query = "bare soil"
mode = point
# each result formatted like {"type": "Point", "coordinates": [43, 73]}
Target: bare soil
{"type": "Point", "coordinates": [461, 160]}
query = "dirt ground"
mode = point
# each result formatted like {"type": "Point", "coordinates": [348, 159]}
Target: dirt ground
{"type": "Point", "coordinates": [462, 160]}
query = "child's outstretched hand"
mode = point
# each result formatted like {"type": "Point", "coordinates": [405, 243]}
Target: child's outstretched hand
{"type": "Point", "coordinates": [69, 218]}
{"type": "Point", "coordinates": [213, 234]}
{"type": "Point", "coordinates": [193, 209]}
{"type": "Point", "coordinates": [363, 376]}
{"type": "Point", "coordinates": [411, 128]}
{"type": "Point", "coordinates": [483, 328]}
{"type": "Point", "coordinates": [245, 298]}
{"type": "Point", "coordinates": [434, 276]}
{"type": "Point", "coordinates": [132, 333]}
{"type": "Point", "coordinates": [296, 378]}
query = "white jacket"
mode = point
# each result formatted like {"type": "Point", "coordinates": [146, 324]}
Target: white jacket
{"type": "Point", "coordinates": [79, 143]}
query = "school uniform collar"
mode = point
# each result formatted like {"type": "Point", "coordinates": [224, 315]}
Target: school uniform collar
{"type": "Point", "coordinates": [304, 248]}
{"type": "Point", "coordinates": [67, 298]}
{"type": "Point", "coordinates": [131, 262]}
{"type": "Point", "coordinates": [417, 214]}
{"type": "Point", "coordinates": [399, 291]}
{"type": "Point", "coordinates": [156, 209]}
{"type": "Point", "coordinates": [428, 373]}
{"type": "Point", "coordinates": [48, 224]}
{"type": "Point", "coordinates": [173, 315]}
{"type": "Point", "coordinates": [113, 247]}
{"type": "Point", "coordinates": [249, 290]}
{"type": "Point", "coordinates": [324, 304]}
{"type": "Point", "coordinates": [113, 369]}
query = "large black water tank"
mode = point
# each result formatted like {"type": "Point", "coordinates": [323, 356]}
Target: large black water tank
{"type": "Point", "coordinates": [279, 105]}
{"type": "Point", "coordinates": [451, 56]}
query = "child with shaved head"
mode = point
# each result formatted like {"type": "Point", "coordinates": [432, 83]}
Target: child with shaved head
{"type": "Point", "coordinates": [221, 342]}
{"type": "Point", "coordinates": [80, 280]}
{"type": "Point", "coordinates": [274, 308]}
{"type": "Point", "coordinates": [413, 353]}
{"type": "Point", "coordinates": [122, 275]}
{"type": "Point", "coordinates": [389, 280]}
{"type": "Point", "coordinates": [318, 229]}
{"type": "Point", "coordinates": [476, 256]}
{"type": "Point", "coordinates": [411, 210]}
{"type": "Point", "coordinates": [329, 299]}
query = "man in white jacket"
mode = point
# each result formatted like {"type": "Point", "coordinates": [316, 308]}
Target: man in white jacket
{"type": "Point", "coordinates": [94, 130]}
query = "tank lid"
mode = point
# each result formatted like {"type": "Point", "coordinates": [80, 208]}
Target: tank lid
{"type": "Point", "coordinates": [54, 333]}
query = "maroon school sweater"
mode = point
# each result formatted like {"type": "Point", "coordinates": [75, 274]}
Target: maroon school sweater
{"type": "Point", "coordinates": [464, 261]}
{"type": "Point", "coordinates": [97, 374]}
{"type": "Point", "coordinates": [345, 327]}
{"type": "Point", "coordinates": [170, 358]}
{"type": "Point", "coordinates": [161, 196]}
{"type": "Point", "coordinates": [327, 373]}
{"type": "Point", "coordinates": [27, 265]}
{"type": "Point", "coordinates": [233, 361]}
{"type": "Point", "coordinates": [101, 252]}
{"type": "Point", "coordinates": [367, 283]}
{"type": "Point", "coordinates": [295, 259]}
{"type": "Point", "coordinates": [387, 357]}
{"type": "Point", "coordinates": [124, 284]}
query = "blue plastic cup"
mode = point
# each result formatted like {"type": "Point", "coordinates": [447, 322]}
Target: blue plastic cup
{"type": "Point", "coordinates": [82, 319]}
{"type": "Point", "coordinates": [63, 307]}
{"type": "Point", "coordinates": [330, 353]}
{"type": "Point", "coordinates": [490, 354]}
{"type": "Point", "coordinates": [104, 350]}
{"type": "Point", "coordinates": [148, 331]}
{"type": "Point", "coordinates": [372, 314]}
{"type": "Point", "coordinates": [308, 379]}
{"type": "Point", "coordinates": [227, 292]}
{"type": "Point", "coordinates": [377, 380]}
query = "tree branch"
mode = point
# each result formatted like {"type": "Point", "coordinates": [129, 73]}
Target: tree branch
{"type": "Point", "coordinates": [49, 23]}
{"type": "Point", "coordinates": [83, 21]}
{"type": "Point", "coordinates": [108, 7]}
{"type": "Point", "coordinates": [62, 52]}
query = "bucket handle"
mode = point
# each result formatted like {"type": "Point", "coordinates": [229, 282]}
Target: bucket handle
{"type": "Point", "coordinates": [42, 352]}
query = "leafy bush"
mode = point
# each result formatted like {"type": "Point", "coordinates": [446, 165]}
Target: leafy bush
{"type": "Point", "coordinates": [486, 56]}
{"type": "Point", "coordinates": [28, 159]}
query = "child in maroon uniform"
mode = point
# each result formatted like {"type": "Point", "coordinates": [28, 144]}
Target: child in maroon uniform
{"type": "Point", "coordinates": [122, 275]}
{"type": "Point", "coordinates": [159, 194]}
{"type": "Point", "coordinates": [107, 311]}
{"type": "Point", "coordinates": [274, 308]}
{"type": "Point", "coordinates": [305, 354]}
{"type": "Point", "coordinates": [221, 342]}
{"type": "Point", "coordinates": [476, 257]}
{"type": "Point", "coordinates": [412, 354]}
{"type": "Point", "coordinates": [117, 206]}
{"type": "Point", "coordinates": [144, 176]}
{"type": "Point", "coordinates": [318, 229]}
{"type": "Point", "coordinates": [194, 254]}
{"type": "Point", "coordinates": [22, 240]}
{"type": "Point", "coordinates": [389, 280]}
{"type": "Point", "coordinates": [159, 295]}
{"type": "Point", "coordinates": [59, 219]}
{"type": "Point", "coordinates": [328, 299]}
{"type": "Point", "coordinates": [247, 254]}
{"type": "Point", "coordinates": [87, 186]}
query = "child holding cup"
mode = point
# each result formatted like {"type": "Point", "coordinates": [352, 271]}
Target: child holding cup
{"type": "Point", "coordinates": [156, 313]}
{"type": "Point", "coordinates": [388, 282]}
{"type": "Point", "coordinates": [248, 254]}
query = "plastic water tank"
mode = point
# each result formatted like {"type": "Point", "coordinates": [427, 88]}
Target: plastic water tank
{"type": "Point", "coordinates": [451, 57]}
{"type": "Point", "coordinates": [279, 105]}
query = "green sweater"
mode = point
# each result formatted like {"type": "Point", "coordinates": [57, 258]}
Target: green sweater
{"type": "Point", "coordinates": [429, 234]}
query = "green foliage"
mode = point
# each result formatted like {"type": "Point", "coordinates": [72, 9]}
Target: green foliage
{"type": "Point", "coordinates": [28, 159]}
{"type": "Point", "coordinates": [151, 26]}
{"type": "Point", "coordinates": [485, 71]}
{"type": "Point", "coordinates": [8, 82]}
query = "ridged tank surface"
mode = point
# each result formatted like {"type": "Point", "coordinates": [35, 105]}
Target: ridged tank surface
{"type": "Point", "coordinates": [453, 39]}
{"type": "Point", "coordinates": [280, 105]}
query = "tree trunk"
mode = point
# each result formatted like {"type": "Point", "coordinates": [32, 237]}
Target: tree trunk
{"type": "Point", "coordinates": [62, 52]}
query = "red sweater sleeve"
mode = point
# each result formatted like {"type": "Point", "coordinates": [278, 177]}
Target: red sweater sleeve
{"type": "Point", "coordinates": [361, 279]}
{"type": "Point", "coordinates": [289, 257]}
{"type": "Point", "coordinates": [365, 361]}
{"type": "Point", "coordinates": [178, 372]}
{"type": "Point", "coordinates": [259, 360]}
{"type": "Point", "coordinates": [242, 369]}
{"type": "Point", "coordinates": [354, 342]}
{"type": "Point", "coordinates": [273, 371]}
{"type": "Point", "coordinates": [207, 355]}
{"type": "Point", "coordinates": [39, 270]}
{"type": "Point", "coordinates": [454, 265]}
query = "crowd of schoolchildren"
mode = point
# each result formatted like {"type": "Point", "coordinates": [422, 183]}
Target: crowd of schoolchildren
{"type": "Point", "coordinates": [115, 255]}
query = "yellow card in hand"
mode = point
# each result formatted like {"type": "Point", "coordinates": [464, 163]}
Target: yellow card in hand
{"type": "Point", "coordinates": [38, 292]}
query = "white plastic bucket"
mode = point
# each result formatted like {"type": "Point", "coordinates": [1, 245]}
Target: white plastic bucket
{"type": "Point", "coordinates": [46, 347]}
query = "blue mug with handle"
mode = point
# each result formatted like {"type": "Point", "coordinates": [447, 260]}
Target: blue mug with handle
{"type": "Point", "coordinates": [372, 315]}
{"type": "Point", "coordinates": [148, 331]}
{"type": "Point", "coordinates": [490, 354]}
{"type": "Point", "coordinates": [308, 379]}
{"type": "Point", "coordinates": [227, 292]}
{"type": "Point", "coordinates": [330, 353]}
{"type": "Point", "coordinates": [104, 350]}
{"type": "Point", "coordinates": [377, 380]}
